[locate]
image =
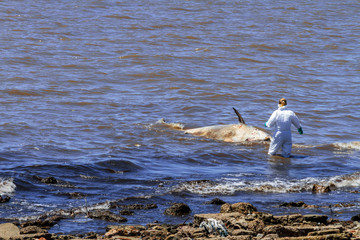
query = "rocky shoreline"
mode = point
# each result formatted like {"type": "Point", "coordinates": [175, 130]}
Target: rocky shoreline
{"type": "Point", "coordinates": [234, 221]}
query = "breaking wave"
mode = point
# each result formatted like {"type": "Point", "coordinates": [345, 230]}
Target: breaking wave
{"type": "Point", "coordinates": [230, 185]}
{"type": "Point", "coordinates": [348, 146]}
{"type": "Point", "coordinates": [7, 186]}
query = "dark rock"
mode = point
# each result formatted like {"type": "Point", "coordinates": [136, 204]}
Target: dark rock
{"type": "Point", "coordinates": [356, 218]}
{"type": "Point", "coordinates": [4, 199]}
{"type": "Point", "coordinates": [126, 212]}
{"type": "Point", "coordinates": [54, 181]}
{"type": "Point", "coordinates": [76, 195]}
{"type": "Point", "coordinates": [46, 222]}
{"type": "Point", "coordinates": [139, 206]}
{"type": "Point", "coordinates": [47, 180]}
{"type": "Point", "coordinates": [281, 231]}
{"type": "Point", "coordinates": [315, 218]}
{"type": "Point", "coordinates": [216, 201]}
{"type": "Point", "coordinates": [293, 204]}
{"type": "Point", "coordinates": [32, 229]}
{"type": "Point", "coordinates": [106, 216]}
{"type": "Point", "coordinates": [133, 206]}
{"type": "Point", "coordinates": [178, 209]}
{"type": "Point", "coordinates": [267, 218]}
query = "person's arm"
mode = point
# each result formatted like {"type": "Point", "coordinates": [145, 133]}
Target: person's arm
{"type": "Point", "coordinates": [272, 119]}
{"type": "Point", "coordinates": [295, 121]}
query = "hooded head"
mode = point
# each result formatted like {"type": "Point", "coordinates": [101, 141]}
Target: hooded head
{"type": "Point", "coordinates": [282, 102]}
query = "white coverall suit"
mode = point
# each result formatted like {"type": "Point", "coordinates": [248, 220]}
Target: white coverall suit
{"type": "Point", "coordinates": [282, 118]}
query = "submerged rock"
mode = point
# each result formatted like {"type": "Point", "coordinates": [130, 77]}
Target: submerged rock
{"type": "Point", "coordinates": [47, 180]}
{"type": "Point", "coordinates": [4, 199]}
{"type": "Point", "coordinates": [294, 204]}
{"type": "Point", "coordinates": [216, 201]}
{"type": "Point", "coordinates": [139, 206]}
{"type": "Point", "coordinates": [299, 204]}
{"type": "Point", "coordinates": [127, 212]}
{"type": "Point", "coordinates": [320, 189]}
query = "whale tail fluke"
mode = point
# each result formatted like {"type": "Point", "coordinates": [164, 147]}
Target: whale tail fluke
{"type": "Point", "coordinates": [241, 120]}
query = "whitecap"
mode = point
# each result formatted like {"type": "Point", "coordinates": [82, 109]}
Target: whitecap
{"type": "Point", "coordinates": [7, 186]}
{"type": "Point", "coordinates": [348, 146]}
{"type": "Point", "coordinates": [231, 185]}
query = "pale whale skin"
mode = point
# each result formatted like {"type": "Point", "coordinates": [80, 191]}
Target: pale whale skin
{"type": "Point", "coordinates": [231, 133]}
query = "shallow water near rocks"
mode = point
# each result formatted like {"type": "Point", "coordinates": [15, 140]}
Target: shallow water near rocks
{"type": "Point", "coordinates": [84, 84]}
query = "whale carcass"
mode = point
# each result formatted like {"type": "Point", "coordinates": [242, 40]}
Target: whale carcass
{"type": "Point", "coordinates": [232, 132]}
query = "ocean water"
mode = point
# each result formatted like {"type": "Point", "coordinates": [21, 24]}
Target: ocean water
{"type": "Point", "coordinates": [83, 85]}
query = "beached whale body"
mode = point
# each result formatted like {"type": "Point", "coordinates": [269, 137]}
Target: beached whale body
{"type": "Point", "coordinates": [232, 132]}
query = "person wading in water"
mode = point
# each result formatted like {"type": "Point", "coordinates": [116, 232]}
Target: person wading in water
{"type": "Point", "coordinates": [282, 118]}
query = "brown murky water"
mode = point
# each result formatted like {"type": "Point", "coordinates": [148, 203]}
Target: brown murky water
{"type": "Point", "coordinates": [84, 83]}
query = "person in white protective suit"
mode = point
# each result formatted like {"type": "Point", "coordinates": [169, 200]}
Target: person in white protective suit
{"type": "Point", "coordinates": [282, 118]}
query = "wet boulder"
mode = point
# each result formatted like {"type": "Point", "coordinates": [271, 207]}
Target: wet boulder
{"type": "Point", "coordinates": [32, 229]}
{"type": "Point", "coordinates": [356, 218]}
{"type": "Point", "coordinates": [106, 216]}
{"type": "Point", "coordinates": [178, 209]}
{"type": "Point", "coordinates": [216, 201]}
{"type": "Point", "coordinates": [43, 222]}
{"type": "Point", "coordinates": [240, 207]}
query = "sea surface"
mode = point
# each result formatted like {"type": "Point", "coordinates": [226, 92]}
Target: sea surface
{"type": "Point", "coordinates": [85, 87]}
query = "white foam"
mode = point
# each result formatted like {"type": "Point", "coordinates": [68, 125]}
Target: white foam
{"type": "Point", "coordinates": [7, 186]}
{"type": "Point", "coordinates": [349, 180]}
{"type": "Point", "coordinates": [349, 145]}
{"type": "Point", "coordinates": [230, 185]}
